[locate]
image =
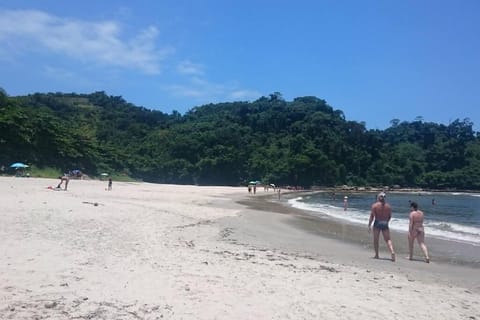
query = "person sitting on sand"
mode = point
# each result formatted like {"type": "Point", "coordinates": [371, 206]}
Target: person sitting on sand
{"type": "Point", "coordinates": [380, 215]}
{"type": "Point", "coordinates": [416, 230]}
{"type": "Point", "coordinates": [62, 179]}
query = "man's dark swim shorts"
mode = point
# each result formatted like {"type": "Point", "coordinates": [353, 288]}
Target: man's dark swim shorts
{"type": "Point", "coordinates": [380, 224]}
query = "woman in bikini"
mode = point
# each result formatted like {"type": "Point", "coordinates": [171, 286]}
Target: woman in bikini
{"type": "Point", "coordinates": [416, 231]}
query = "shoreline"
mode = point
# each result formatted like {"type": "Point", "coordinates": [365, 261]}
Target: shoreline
{"type": "Point", "coordinates": [446, 250]}
{"type": "Point", "coordinates": [388, 189]}
{"type": "Point", "coordinates": [451, 258]}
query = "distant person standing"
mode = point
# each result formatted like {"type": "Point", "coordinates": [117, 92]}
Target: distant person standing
{"type": "Point", "coordinates": [416, 231]}
{"type": "Point", "coordinates": [110, 184]}
{"type": "Point", "coordinates": [345, 203]}
{"type": "Point", "coordinates": [380, 215]}
{"type": "Point", "coordinates": [65, 179]}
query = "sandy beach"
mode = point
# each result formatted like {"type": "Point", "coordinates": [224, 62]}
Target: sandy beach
{"type": "Point", "coordinates": [149, 251]}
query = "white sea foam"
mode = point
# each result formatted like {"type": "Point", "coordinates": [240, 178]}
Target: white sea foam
{"type": "Point", "coordinates": [464, 194]}
{"type": "Point", "coordinates": [351, 215]}
{"type": "Point", "coordinates": [444, 230]}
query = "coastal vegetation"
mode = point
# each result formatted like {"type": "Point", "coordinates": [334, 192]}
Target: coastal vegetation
{"type": "Point", "coordinates": [304, 142]}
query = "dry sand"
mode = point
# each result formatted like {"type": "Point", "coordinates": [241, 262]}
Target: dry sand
{"type": "Point", "coordinates": [146, 251]}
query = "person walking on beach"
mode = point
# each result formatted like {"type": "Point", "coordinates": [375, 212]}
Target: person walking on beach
{"type": "Point", "coordinates": [416, 231]}
{"type": "Point", "coordinates": [110, 184]}
{"type": "Point", "coordinates": [380, 215]}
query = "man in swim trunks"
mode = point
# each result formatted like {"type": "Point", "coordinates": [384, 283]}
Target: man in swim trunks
{"type": "Point", "coordinates": [380, 215]}
{"type": "Point", "coordinates": [416, 230]}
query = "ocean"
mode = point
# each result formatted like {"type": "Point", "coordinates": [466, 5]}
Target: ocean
{"type": "Point", "coordinates": [449, 216]}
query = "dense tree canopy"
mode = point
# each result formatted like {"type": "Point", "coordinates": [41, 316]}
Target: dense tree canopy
{"type": "Point", "coordinates": [302, 142]}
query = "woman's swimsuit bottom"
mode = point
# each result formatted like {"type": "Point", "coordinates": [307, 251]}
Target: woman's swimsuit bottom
{"type": "Point", "coordinates": [418, 230]}
{"type": "Point", "coordinates": [380, 224]}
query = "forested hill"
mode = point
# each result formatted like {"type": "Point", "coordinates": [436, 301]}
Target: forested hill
{"type": "Point", "coordinates": [302, 142]}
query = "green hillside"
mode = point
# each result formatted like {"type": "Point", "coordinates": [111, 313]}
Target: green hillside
{"type": "Point", "coordinates": [302, 142]}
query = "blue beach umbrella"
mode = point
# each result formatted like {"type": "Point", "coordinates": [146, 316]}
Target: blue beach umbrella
{"type": "Point", "coordinates": [17, 165]}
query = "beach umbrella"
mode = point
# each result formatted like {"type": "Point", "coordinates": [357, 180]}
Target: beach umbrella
{"type": "Point", "coordinates": [17, 165]}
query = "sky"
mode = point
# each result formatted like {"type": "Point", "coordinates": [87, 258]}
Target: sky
{"type": "Point", "coordinates": [374, 60]}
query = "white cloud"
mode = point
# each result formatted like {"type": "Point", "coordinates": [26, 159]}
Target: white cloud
{"type": "Point", "coordinates": [93, 42]}
{"type": "Point", "coordinates": [186, 91]}
{"type": "Point", "coordinates": [59, 73]}
{"type": "Point", "coordinates": [104, 43]}
{"type": "Point", "coordinates": [204, 91]}
{"type": "Point", "coordinates": [199, 88]}
{"type": "Point", "coordinates": [189, 68]}
{"type": "Point", "coordinates": [244, 94]}
{"type": "Point", "coordinates": [67, 76]}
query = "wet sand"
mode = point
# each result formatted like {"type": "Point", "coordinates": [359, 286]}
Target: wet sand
{"type": "Point", "coordinates": [440, 250]}
{"type": "Point", "coordinates": [349, 243]}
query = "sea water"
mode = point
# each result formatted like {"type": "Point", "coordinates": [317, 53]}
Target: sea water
{"type": "Point", "coordinates": [450, 216]}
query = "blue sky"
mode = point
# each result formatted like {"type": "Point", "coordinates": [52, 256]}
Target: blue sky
{"type": "Point", "coordinates": [374, 60]}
